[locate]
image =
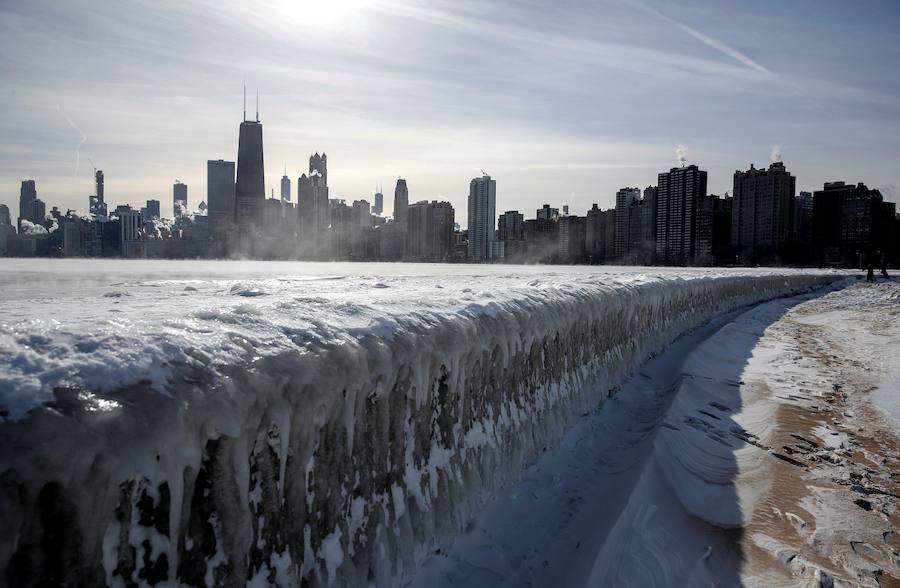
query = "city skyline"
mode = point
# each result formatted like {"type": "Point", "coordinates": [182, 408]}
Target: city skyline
{"type": "Point", "coordinates": [610, 112]}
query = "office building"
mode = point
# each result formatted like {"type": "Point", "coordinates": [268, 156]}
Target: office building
{"type": "Point", "coordinates": [250, 189]}
{"type": "Point", "coordinates": [379, 203]}
{"type": "Point", "coordinates": [285, 188]}
{"type": "Point", "coordinates": [401, 202]}
{"type": "Point", "coordinates": [220, 197]}
{"type": "Point", "coordinates": [319, 163]}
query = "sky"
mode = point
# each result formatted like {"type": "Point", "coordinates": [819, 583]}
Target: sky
{"type": "Point", "coordinates": [562, 102]}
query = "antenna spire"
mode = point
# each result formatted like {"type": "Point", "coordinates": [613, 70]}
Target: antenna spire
{"type": "Point", "coordinates": [257, 105]}
{"type": "Point", "coordinates": [245, 102]}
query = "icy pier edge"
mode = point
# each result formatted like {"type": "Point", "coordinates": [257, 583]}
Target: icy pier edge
{"type": "Point", "coordinates": [349, 465]}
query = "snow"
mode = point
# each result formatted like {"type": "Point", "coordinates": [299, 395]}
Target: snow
{"type": "Point", "coordinates": [330, 422]}
{"type": "Point", "coordinates": [648, 489]}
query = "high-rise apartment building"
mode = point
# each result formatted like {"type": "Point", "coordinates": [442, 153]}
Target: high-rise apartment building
{"type": "Point", "coordinates": [802, 221]}
{"type": "Point", "coordinates": [624, 200]}
{"type": "Point", "coordinates": [677, 191]}
{"type": "Point", "coordinates": [482, 216]}
{"type": "Point", "coordinates": [511, 226]}
{"type": "Point", "coordinates": [762, 210]}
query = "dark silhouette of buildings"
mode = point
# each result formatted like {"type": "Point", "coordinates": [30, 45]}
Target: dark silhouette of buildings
{"type": "Point", "coordinates": [677, 193]}
{"type": "Point", "coordinates": [851, 224]}
{"type": "Point", "coordinates": [600, 235]}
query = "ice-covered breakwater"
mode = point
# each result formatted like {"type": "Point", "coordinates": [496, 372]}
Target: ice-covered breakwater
{"type": "Point", "coordinates": [216, 430]}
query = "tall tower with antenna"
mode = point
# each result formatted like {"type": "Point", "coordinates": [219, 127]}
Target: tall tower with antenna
{"type": "Point", "coordinates": [250, 189]}
{"type": "Point", "coordinates": [379, 201]}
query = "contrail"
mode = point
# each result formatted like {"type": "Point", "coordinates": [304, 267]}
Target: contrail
{"type": "Point", "coordinates": [705, 39]}
{"type": "Point", "coordinates": [80, 143]}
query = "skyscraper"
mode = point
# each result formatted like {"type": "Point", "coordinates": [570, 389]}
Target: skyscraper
{"type": "Point", "coordinates": [250, 190]}
{"type": "Point", "coordinates": [313, 214]}
{"type": "Point", "coordinates": [761, 212]}
{"type": "Point", "coordinates": [482, 216]}
{"type": "Point", "coordinates": [5, 218]}
{"type": "Point", "coordinates": [27, 195]}
{"type": "Point", "coordinates": [319, 163]}
{"type": "Point", "coordinates": [98, 181]}
{"type": "Point", "coordinates": [285, 188]}
{"type": "Point", "coordinates": [401, 202]}
{"type": "Point", "coordinates": [179, 198]}
{"type": "Point", "coordinates": [220, 197]}
{"type": "Point", "coordinates": [676, 194]}
{"type": "Point", "coordinates": [379, 203]}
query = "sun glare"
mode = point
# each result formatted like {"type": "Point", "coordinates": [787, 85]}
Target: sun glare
{"type": "Point", "coordinates": [324, 15]}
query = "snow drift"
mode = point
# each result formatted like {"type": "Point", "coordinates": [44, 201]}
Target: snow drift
{"type": "Point", "coordinates": [330, 459]}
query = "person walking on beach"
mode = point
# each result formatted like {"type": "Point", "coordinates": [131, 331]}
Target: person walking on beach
{"type": "Point", "coordinates": [870, 273]}
{"type": "Point", "coordinates": [884, 273]}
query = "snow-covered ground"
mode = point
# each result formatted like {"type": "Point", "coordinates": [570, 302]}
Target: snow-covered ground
{"type": "Point", "coordinates": [754, 451]}
{"type": "Point", "coordinates": [272, 422]}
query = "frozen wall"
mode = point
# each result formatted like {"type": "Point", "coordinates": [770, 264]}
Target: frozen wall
{"type": "Point", "coordinates": [339, 461]}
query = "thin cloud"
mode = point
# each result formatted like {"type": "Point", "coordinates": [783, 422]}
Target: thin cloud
{"type": "Point", "coordinates": [705, 39]}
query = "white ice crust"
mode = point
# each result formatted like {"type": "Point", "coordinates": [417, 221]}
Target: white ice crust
{"type": "Point", "coordinates": [263, 423]}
